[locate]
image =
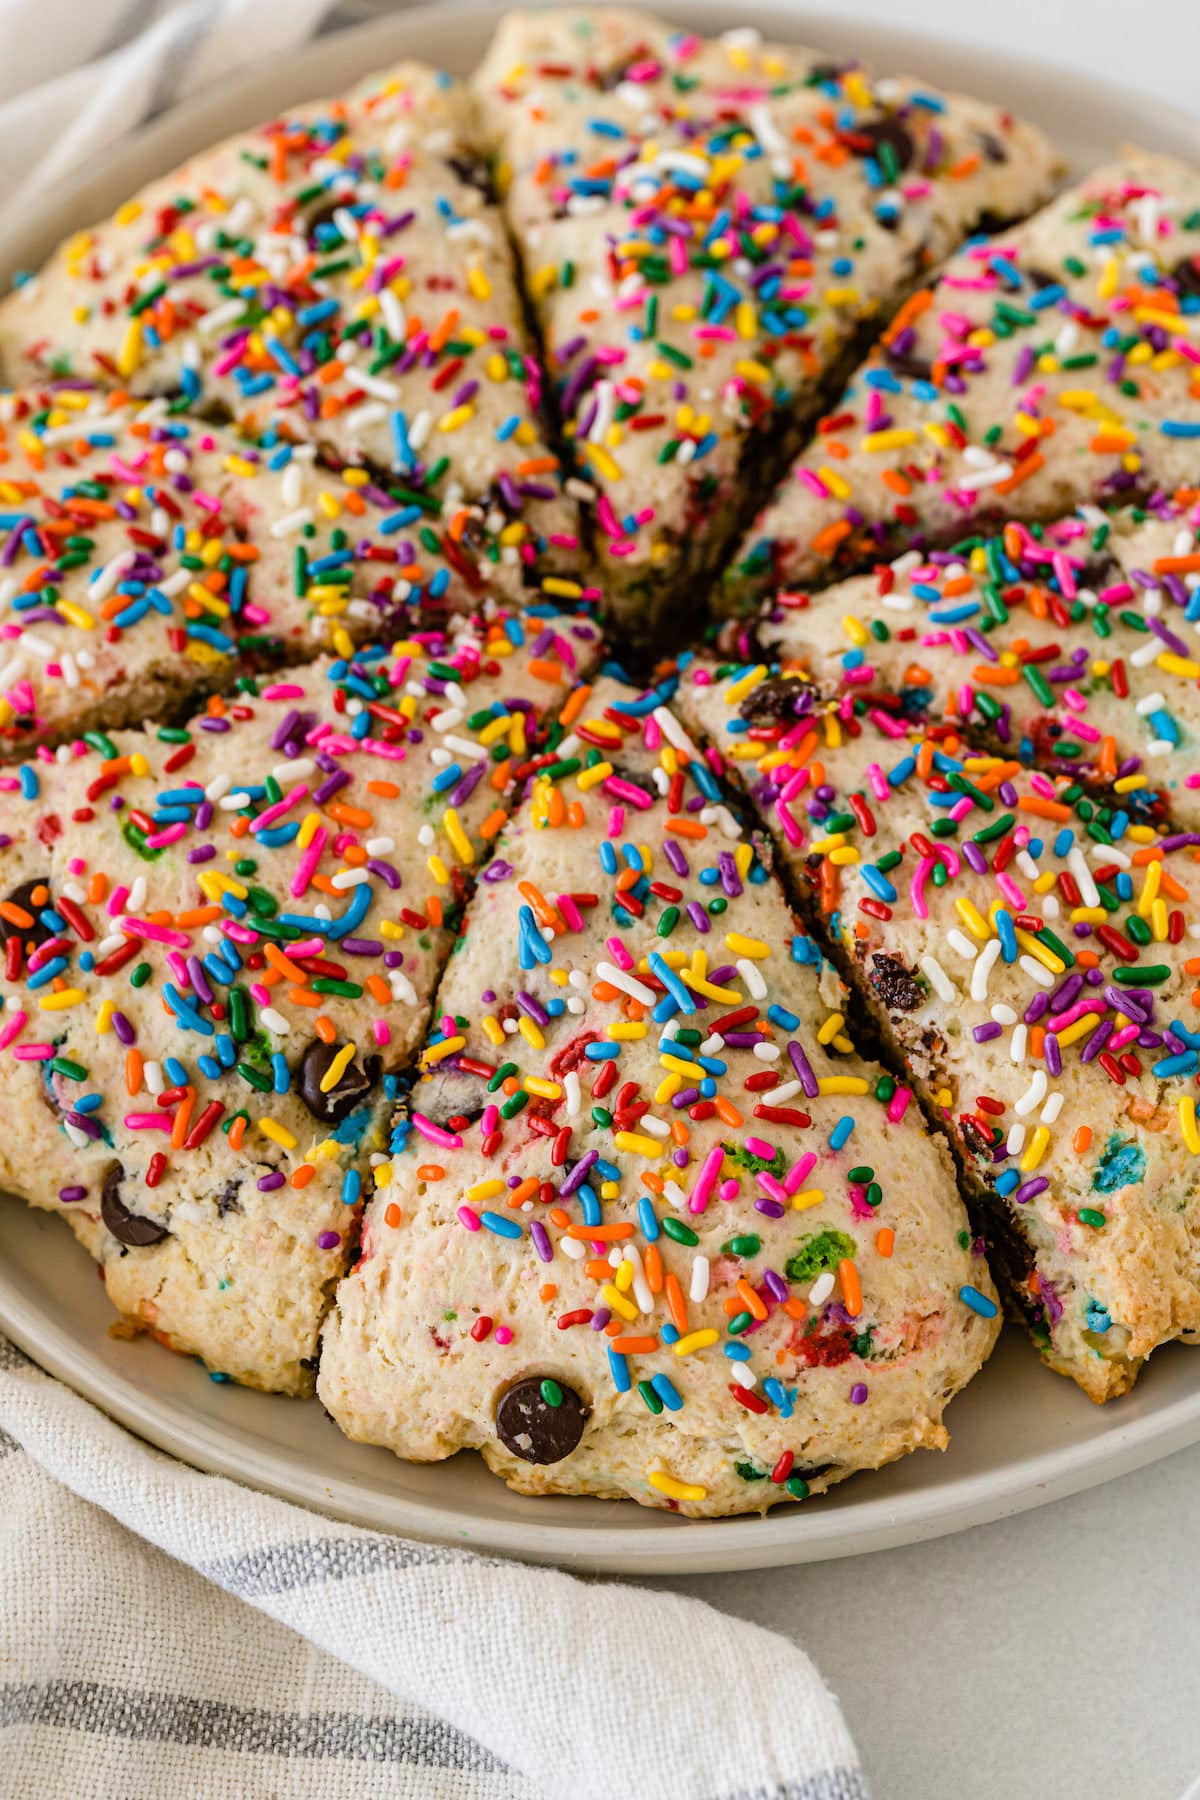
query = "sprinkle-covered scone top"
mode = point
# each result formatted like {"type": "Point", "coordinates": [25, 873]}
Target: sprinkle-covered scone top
{"type": "Point", "coordinates": [218, 939]}
{"type": "Point", "coordinates": [651, 1226]}
{"type": "Point", "coordinates": [338, 277]}
{"type": "Point", "coordinates": [1054, 364]}
{"type": "Point", "coordinates": [705, 227]}
{"type": "Point", "coordinates": [1034, 955]}
{"type": "Point", "coordinates": [146, 559]}
{"type": "Point", "coordinates": [1075, 645]}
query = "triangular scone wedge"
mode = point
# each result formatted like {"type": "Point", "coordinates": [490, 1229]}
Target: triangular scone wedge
{"type": "Point", "coordinates": [709, 230]}
{"type": "Point", "coordinates": [218, 941]}
{"type": "Point", "coordinates": [1034, 956]}
{"type": "Point", "coordinates": [1054, 364]}
{"type": "Point", "coordinates": [652, 1227]}
{"type": "Point", "coordinates": [339, 277]}
{"type": "Point", "coordinates": [1076, 647]}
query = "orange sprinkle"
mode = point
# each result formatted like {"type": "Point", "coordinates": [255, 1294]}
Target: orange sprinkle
{"type": "Point", "coordinates": [1082, 1140]}
{"type": "Point", "coordinates": [885, 1240]}
{"type": "Point", "coordinates": [852, 1298]}
{"type": "Point", "coordinates": [301, 1177]}
{"type": "Point", "coordinates": [601, 1234]}
{"type": "Point", "coordinates": [676, 1304]}
{"type": "Point", "coordinates": [391, 1214]}
{"type": "Point", "coordinates": [634, 1346]}
{"type": "Point", "coordinates": [430, 1172]}
{"type": "Point", "coordinates": [752, 1301]}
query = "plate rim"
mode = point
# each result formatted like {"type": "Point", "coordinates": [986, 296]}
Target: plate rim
{"type": "Point", "coordinates": [788, 1536]}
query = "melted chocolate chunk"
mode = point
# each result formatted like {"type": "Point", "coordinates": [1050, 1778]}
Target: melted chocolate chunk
{"type": "Point", "coordinates": [992, 147]}
{"type": "Point", "coordinates": [540, 1420]}
{"type": "Point", "coordinates": [868, 138]}
{"type": "Point", "coordinates": [22, 896]}
{"type": "Point", "coordinates": [917, 368]}
{"type": "Point", "coordinates": [227, 1199]}
{"type": "Point", "coordinates": [896, 986]}
{"type": "Point", "coordinates": [350, 1089]}
{"type": "Point", "coordinates": [473, 172]}
{"type": "Point", "coordinates": [1187, 274]}
{"type": "Point", "coordinates": [779, 697]}
{"type": "Point", "coordinates": [129, 1228]}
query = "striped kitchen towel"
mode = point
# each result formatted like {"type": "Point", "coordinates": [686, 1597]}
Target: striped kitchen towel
{"type": "Point", "coordinates": [74, 78]}
{"type": "Point", "coordinates": [163, 1631]}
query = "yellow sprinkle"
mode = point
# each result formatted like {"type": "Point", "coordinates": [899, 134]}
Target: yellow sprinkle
{"type": "Point", "coordinates": [130, 353]}
{"type": "Point", "coordinates": [737, 690]}
{"type": "Point", "coordinates": [855, 630]}
{"type": "Point", "coordinates": [889, 440]}
{"type": "Point", "coordinates": [493, 1030]}
{"type": "Point", "coordinates": [843, 1084]}
{"type": "Point", "coordinates": [590, 778]}
{"type": "Point", "coordinates": [337, 1068]}
{"type": "Point", "coordinates": [75, 615]}
{"type": "Point", "coordinates": [279, 1133]}
{"type": "Point", "coordinates": [546, 1090]}
{"type": "Point", "coordinates": [436, 1052]}
{"type": "Point", "coordinates": [438, 870]}
{"type": "Point", "coordinates": [486, 1190]}
{"type": "Point", "coordinates": [1150, 886]}
{"type": "Point", "coordinates": [1037, 1149]}
{"type": "Point", "coordinates": [831, 1027]}
{"type": "Point", "coordinates": [675, 1490]}
{"type": "Point", "coordinates": [628, 1032]}
{"type": "Point", "coordinates": [639, 1143]}
{"type": "Point", "coordinates": [692, 1070]}
{"type": "Point", "coordinates": [463, 847]}
{"type": "Point", "coordinates": [104, 1013]}
{"type": "Point", "coordinates": [810, 1197]}
{"type": "Point", "coordinates": [974, 921]}
{"type": "Point", "coordinates": [696, 1340]}
{"type": "Point", "coordinates": [456, 418]}
{"type": "Point", "coordinates": [60, 1002]}
{"type": "Point", "coordinates": [617, 1301]}
{"type": "Point", "coordinates": [1038, 950]}
{"type": "Point", "coordinates": [1128, 783]}
{"type": "Point", "coordinates": [1183, 666]}
{"type": "Point", "coordinates": [1187, 1124]}
{"type": "Point", "coordinates": [746, 946]}
{"type": "Point", "coordinates": [667, 1088]}
{"type": "Point", "coordinates": [531, 1034]}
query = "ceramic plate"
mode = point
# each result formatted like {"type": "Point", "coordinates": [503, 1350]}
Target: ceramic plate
{"type": "Point", "coordinates": [1021, 1435]}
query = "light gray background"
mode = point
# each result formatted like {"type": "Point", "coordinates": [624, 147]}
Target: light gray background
{"type": "Point", "coordinates": [1054, 1654]}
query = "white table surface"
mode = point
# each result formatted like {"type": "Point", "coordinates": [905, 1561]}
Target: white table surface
{"type": "Point", "coordinates": [1055, 1653]}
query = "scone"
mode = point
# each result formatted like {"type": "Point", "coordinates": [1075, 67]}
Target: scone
{"type": "Point", "coordinates": [1051, 365]}
{"type": "Point", "coordinates": [219, 939]}
{"type": "Point", "coordinates": [1075, 646]}
{"type": "Point", "coordinates": [1033, 954]}
{"type": "Point", "coordinates": [652, 1226]}
{"type": "Point", "coordinates": [710, 230]}
{"type": "Point", "coordinates": [339, 277]}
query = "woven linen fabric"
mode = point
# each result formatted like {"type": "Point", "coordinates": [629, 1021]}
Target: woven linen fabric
{"type": "Point", "coordinates": [165, 1631]}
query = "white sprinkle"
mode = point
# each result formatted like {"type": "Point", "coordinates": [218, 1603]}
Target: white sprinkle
{"type": "Point", "coordinates": [938, 979]}
{"type": "Point", "coordinates": [821, 1289]}
{"type": "Point", "coordinates": [981, 973]}
{"type": "Point", "coordinates": [1034, 1094]}
{"type": "Point", "coordinates": [698, 1289]}
{"type": "Point", "coordinates": [628, 984]}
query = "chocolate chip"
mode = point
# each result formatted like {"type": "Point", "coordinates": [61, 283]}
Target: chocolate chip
{"type": "Point", "coordinates": [992, 147]}
{"type": "Point", "coordinates": [127, 1227]}
{"type": "Point", "coordinates": [540, 1420]}
{"type": "Point", "coordinates": [349, 1090]}
{"type": "Point", "coordinates": [22, 896]}
{"type": "Point", "coordinates": [896, 986]}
